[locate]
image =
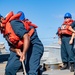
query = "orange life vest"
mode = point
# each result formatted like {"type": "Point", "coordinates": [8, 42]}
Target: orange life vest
{"type": "Point", "coordinates": [64, 28]}
{"type": "Point", "coordinates": [8, 32]}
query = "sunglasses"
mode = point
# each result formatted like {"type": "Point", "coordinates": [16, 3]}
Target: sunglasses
{"type": "Point", "coordinates": [66, 17]}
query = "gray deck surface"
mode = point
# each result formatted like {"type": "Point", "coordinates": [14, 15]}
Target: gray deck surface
{"type": "Point", "coordinates": [58, 72]}
{"type": "Point", "coordinates": [48, 72]}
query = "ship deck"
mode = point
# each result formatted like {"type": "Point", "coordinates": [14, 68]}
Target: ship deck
{"type": "Point", "coordinates": [48, 72]}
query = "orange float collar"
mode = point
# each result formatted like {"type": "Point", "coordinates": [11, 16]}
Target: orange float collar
{"type": "Point", "coordinates": [64, 28]}
{"type": "Point", "coordinates": [8, 32]}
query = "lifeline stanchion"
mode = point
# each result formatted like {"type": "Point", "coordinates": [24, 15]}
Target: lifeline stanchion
{"type": "Point", "coordinates": [24, 71]}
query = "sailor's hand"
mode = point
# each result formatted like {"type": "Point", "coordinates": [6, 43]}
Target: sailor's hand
{"type": "Point", "coordinates": [59, 42]}
{"type": "Point", "coordinates": [71, 41]}
{"type": "Point", "coordinates": [22, 57]}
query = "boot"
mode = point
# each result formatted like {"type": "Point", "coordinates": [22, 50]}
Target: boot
{"type": "Point", "coordinates": [65, 66]}
{"type": "Point", "coordinates": [71, 67]}
{"type": "Point", "coordinates": [39, 70]}
{"type": "Point", "coordinates": [74, 72]}
{"type": "Point", "coordinates": [44, 67]}
{"type": "Point", "coordinates": [74, 68]}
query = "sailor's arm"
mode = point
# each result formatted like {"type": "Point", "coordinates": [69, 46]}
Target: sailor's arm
{"type": "Point", "coordinates": [72, 27]}
{"type": "Point", "coordinates": [26, 39]}
{"type": "Point", "coordinates": [16, 50]}
{"type": "Point", "coordinates": [72, 37]}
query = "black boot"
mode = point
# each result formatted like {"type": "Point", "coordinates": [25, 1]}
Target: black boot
{"type": "Point", "coordinates": [65, 66]}
{"type": "Point", "coordinates": [74, 72]}
{"type": "Point", "coordinates": [44, 67]}
{"type": "Point", "coordinates": [74, 68]}
{"type": "Point", "coordinates": [39, 70]}
{"type": "Point", "coordinates": [71, 67]}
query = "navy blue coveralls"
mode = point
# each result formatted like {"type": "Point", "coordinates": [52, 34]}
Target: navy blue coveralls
{"type": "Point", "coordinates": [67, 53]}
{"type": "Point", "coordinates": [34, 52]}
{"type": "Point", "coordinates": [73, 26]}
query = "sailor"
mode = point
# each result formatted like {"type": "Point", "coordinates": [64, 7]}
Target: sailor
{"type": "Point", "coordinates": [24, 44]}
{"type": "Point", "coordinates": [65, 34]}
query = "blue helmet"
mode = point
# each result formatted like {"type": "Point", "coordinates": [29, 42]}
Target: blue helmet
{"type": "Point", "coordinates": [67, 15]}
{"type": "Point", "coordinates": [1, 16]}
{"type": "Point", "coordinates": [22, 17]}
